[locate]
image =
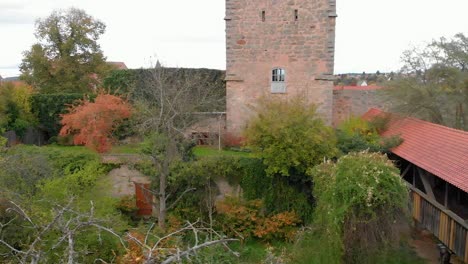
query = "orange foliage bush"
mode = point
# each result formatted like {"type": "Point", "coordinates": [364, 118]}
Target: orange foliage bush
{"type": "Point", "coordinates": [134, 253]}
{"type": "Point", "coordinates": [246, 219]}
{"type": "Point", "coordinates": [92, 123]}
{"type": "Point", "coordinates": [230, 140]}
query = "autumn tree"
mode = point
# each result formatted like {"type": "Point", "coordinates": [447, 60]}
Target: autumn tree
{"type": "Point", "coordinates": [171, 102]}
{"type": "Point", "coordinates": [434, 83]}
{"type": "Point", "coordinates": [91, 123]}
{"type": "Point", "coordinates": [67, 57]}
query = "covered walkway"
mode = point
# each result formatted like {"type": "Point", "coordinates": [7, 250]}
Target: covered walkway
{"type": "Point", "coordinates": [433, 159]}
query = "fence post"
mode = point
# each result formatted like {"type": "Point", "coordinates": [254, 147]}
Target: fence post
{"type": "Point", "coordinates": [466, 247]}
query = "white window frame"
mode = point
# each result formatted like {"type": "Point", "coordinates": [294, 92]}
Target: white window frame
{"type": "Point", "coordinates": [278, 80]}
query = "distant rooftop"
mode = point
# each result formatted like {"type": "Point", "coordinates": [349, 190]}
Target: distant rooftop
{"type": "Point", "coordinates": [118, 64]}
{"type": "Point", "coordinates": [11, 79]}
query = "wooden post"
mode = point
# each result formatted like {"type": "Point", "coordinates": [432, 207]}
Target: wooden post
{"type": "Point", "coordinates": [219, 132]}
{"type": "Point", "coordinates": [466, 248]}
{"type": "Point", "coordinates": [452, 234]}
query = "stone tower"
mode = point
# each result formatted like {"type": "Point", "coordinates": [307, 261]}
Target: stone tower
{"type": "Point", "coordinates": [278, 48]}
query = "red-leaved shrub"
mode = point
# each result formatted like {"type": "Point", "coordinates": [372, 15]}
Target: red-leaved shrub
{"type": "Point", "coordinates": [92, 123]}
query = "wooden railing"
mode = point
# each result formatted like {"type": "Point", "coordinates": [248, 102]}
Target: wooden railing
{"type": "Point", "coordinates": [449, 228]}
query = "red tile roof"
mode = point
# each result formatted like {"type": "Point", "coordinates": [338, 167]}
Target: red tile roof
{"type": "Point", "coordinates": [118, 64]}
{"type": "Point", "coordinates": [440, 150]}
{"type": "Point", "coordinates": [357, 88]}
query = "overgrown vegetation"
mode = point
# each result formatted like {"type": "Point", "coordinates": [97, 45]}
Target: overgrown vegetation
{"type": "Point", "coordinates": [357, 134]}
{"type": "Point", "coordinates": [361, 203]}
{"type": "Point", "coordinates": [298, 192]}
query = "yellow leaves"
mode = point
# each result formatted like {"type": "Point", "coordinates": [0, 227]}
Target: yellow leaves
{"type": "Point", "coordinates": [247, 219]}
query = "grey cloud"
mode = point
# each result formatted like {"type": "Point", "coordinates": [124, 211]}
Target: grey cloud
{"type": "Point", "coordinates": [15, 13]}
{"type": "Point", "coordinates": [12, 6]}
{"type": "Point", "coordinates": [15, 19]}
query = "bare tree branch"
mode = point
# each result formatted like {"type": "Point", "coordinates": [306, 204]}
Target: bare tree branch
{"type": "Point", "coordinates": [193, 249]}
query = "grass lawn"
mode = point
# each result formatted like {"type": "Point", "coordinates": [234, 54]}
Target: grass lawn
{"type": "Point", "coordinates": [56, 148]}
{"type": "Point", "coordinates": [199, 151]}
{"type": "Point", "coordinates": [126, 149]}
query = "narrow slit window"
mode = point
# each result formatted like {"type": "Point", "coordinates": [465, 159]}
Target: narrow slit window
{"type": "Point", "coordinates": [263, 15]}
{"type": "Point", "coordinates": [296, 15]}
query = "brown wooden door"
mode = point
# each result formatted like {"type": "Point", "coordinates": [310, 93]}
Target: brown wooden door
{"type": "Point", "coordinates": [143, 199]}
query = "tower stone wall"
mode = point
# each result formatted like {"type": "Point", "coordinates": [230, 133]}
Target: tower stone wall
{"type": "Point", "coordinates": [297, 36]}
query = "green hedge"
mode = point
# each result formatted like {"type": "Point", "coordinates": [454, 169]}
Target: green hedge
{"type": "Point", "coordinates": [49, 107]}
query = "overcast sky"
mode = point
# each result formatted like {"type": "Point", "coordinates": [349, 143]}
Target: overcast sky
{"type": "Point", "coordinates": [371, 34]}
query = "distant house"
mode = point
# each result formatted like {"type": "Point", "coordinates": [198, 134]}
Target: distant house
{"type": "Point", "coordinates": [118, 65]}
{"type": "Point", "coordinates": [13, 80]}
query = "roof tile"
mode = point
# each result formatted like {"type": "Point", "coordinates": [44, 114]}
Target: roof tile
{"type": "Point", "coordinates": [440, 150]}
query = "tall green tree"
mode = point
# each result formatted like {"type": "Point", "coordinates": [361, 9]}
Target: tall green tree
{"type": "Point", "coordinates": [67, 57]}
{"type": "Point", "coordinates": [434, 83]}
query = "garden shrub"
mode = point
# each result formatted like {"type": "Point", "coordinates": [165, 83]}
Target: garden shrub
{"type": "Point", "coordinates": [247, 219]}
{"type": "Point", "coordinates": [15, 108]}
{"type": "Point", "coordinates": [22, 172]}
{"type": "Point", "coordinates": [278, 193]}
{"type": "Point", "coordinates": [290, 135]}
{"type": "Point", "coordinates": [357, 134]}
{"type": "Point", "coordinates": [361, 200]}
{"type": "Point", "coordinates": [92, 123]}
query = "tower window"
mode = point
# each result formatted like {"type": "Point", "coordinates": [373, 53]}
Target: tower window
{"type": "Point", "coordinates": [278, 80]}
{"type": "Point", "coordinates": [278, 75]}
{"type": "Point", "coordinates": [296, 15]}
{"type": "Point", "coordinates": [263, 15]}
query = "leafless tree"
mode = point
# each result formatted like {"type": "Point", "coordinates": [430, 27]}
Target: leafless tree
{"type": "Point", "coordinates": [203, 237]}
{"type": "Point", "coordinates": [169, 103]}
{"type": "Point", "coordinates": [68, 223]}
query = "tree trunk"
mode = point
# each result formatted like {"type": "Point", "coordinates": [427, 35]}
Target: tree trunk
{"type": "Point", "coordinates": [162, 196]}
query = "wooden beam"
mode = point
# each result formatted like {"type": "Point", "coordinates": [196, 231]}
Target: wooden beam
{"type": "Point", "coordinates": [406, 170]}
{"type": "Point", "coordinates": [426, 183]}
